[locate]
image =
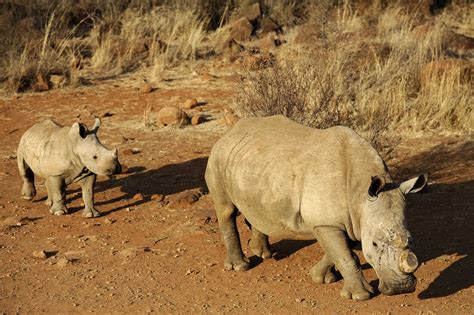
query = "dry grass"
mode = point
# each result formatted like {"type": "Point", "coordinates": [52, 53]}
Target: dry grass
{"type": "Point", "coordinates": [365, 77]}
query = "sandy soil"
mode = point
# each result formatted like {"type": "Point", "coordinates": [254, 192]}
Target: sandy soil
{"type": "Point", "coordinates": [150, 255]}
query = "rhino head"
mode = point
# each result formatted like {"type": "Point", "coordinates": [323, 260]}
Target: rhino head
{"type": "Point", "coordinates": [92, 154]}
{"type": "Point", "coordinates": [386, 242]}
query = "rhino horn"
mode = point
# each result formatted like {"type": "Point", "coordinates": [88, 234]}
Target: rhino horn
{"type": "Point", "coordinates": [408, 262]}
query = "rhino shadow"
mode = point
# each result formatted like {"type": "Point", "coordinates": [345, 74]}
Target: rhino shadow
{"type": "Point", "coordinates": [441, 220]}
{"type": "Point", "coordinates": [166, 180]}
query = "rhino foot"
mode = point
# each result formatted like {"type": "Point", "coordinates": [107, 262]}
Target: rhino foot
{"type": "Point", "coordinates": [260, 247]}
{"type": "Point", "coordinates": [320, 277]}
{"type": "Point", "coordinates": [237, 265]}
{"type": "Point", "coordinates": [91, 213]}
{"type": "Point", "coordinates": [58, 210]}
{"type": "Point", "coordinates": [48, 202]}
{"type": "Point", "coordinates": [357, 290]}
{"type": "Point", "coordinates": [28, 192]}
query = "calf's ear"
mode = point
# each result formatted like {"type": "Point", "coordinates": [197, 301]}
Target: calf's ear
{"type": "Point", "coordinates": [414, 185]}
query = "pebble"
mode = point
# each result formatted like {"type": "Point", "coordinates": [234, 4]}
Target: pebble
{"type": "Point", "coordinates": [190, 103]}
{"type": "Point", "coordinates": [41, 254]}
{"type": "Point", "coordinates": [63, 262]}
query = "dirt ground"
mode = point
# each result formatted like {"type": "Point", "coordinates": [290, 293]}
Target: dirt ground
{"type": "Point", "coordinates": [149, 255]}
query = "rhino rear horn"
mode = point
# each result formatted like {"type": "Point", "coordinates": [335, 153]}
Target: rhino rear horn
{"type": "Point", "coordinates": [376, 186]}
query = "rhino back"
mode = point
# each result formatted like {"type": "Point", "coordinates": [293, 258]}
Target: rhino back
{"type": "Point", "coordinates": [287, 178]}
{"type": "Point", "coordinates": [45, 148]}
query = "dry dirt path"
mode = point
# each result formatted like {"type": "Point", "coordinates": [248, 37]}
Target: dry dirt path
{"type": "Point", "coordinates": [145, 255]}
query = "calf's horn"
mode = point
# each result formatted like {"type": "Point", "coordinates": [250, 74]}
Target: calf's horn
{"type": "Point", "coordinates": [408, 262]}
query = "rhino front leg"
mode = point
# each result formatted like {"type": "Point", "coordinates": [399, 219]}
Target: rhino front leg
{"type": "Point", "coordinates": [87, 185]}
{"type": "Point", "coordinates": [28, 190]}
{"type": "Point", "coordinates": [56, 192]}
{"type": "Point", "coordinates": [334, 243]}
{"type": "Point", "coordinates": [226, 216]}
{"type": "Point", "coordinates": [259, 244]}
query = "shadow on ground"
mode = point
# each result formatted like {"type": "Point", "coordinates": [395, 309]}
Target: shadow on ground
{"type": "Point", "coordinates": [441, 220]}
{"type": "Point", "coordinates": [167, 180]}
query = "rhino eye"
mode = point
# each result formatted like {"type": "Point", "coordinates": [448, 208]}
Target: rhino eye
{"type": "Point", "coordinates": [95, 157]}
{"type": "Point", "coordinates": [375, 244]}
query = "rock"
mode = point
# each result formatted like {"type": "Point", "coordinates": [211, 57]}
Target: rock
{"type": "Point", "coordinates": [146, 88]}
{"type": "Point", "coordinates": [196, 120]}
{"type": "Point", "coordinates": [185, 199]}
{"type": "Point", "coordinates": [124, 169]}
{"type": "Point", "coordinates": [190, 103]}
{"type": "Point", "coordinates": [267, 25]}
{"type": "Point", "coordinates": [41, 254]}
{"type": "Point", "coordinates": [138, 197]}
{"type": "Point", "coordinates": [436, 70]}
{"type": "Point", "coordinates": [458, 45]}
{"type": "Point", "coordinates": [109, 221]}
{"type": "Point", "coordinates": [171, 116]}
{"type": "Point", "coordinates": [41, 83]}
{"type": "Point", "coordinates": [63, 262]}
{"type": "Point", "coordinates": [57, 81]}
{"type": "Point", "coordinates": [241, 30]}
{"type": "Point", "coordinates": [231, 46]}
{"type": "Point", "coordinates": [157, 197]}
{"type": "Point", "coordinates": [131, 151]}
{"type": "Point", "coordinates": [230, 118]}
{"type": "Point", "coordinates": [251, 12]}
{"type": "Point", "coordinates": [207, 77]}
{"type": "Point", "coordinates": [270, 41]}
{"type": "Point", "coordinates": [306, 34]}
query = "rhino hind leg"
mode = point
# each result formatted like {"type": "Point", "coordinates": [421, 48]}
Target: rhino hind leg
{"type": "Point", "coordinates": [259, 244]}
{"type": "Point", "coordinates": [324, 271]}
{"type": "Point", "coordinates": [226, 216]}
{"type": "Point", "coordinates": [28, 190]}
{"type": "Point", "coordinates": [56, 193]}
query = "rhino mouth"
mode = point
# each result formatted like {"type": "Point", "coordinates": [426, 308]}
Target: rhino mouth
{"type": "Point", "coordinates": [405, 285]}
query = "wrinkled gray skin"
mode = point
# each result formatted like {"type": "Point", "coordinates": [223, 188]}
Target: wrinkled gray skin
{"type": "Point", "coordinates": [295, 182]}
{"type": "Point", "coordinates": [63, 155]}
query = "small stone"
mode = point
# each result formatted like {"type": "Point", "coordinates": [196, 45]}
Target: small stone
{"type": "Point", "coordinates": [41, 254]}
{"type": "Point", "coordinates": [108, 221]}
{"type": "Point", "coordinates": [136, 150]}
{"type": "Point", "coordinates": [138, 196]}
{"type": "Point", "coordinates": [299, 300]}
{"type": "Point", "coordinates": [63, 262]}
{"type": "Point", "coordinates": [146, 88]}
{"type": "Point", "coordinates": [188, 272]}
{"type": "Point", "coordinates": [57, 81]}
{"type": "Point", "coordinates": [157, 197]}
{"type": "Point", "coordinates": [190, 103]}
{"type": "Point", "coordinates": [41, 84]}
{"type": "Point", "coordinates": [127, 152]}
{"type": "Point", "coordinates": [124, 169]}
{"type": "Point", "coordinates": [196, 120]}
{"type": "Point", "coordinates": [171, 115]}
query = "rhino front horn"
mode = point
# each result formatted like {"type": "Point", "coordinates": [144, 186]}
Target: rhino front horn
{"type": "Point", "coordinates": [408, 262]}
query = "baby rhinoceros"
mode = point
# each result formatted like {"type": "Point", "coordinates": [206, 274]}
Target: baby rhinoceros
{"type": "Point", "coordinates": [63, 155]}
{"type": "Point", "coordinates": [296, 182]}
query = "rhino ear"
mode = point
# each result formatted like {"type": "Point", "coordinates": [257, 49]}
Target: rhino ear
{"type": "Point", "coordinates": [414, 185]}
{"type": "Point", "coordinates": [96, 125]}
{"type": "Point", "coordinates": [78, 129]}
{"type": "Point", "coordinates": [376, 186]}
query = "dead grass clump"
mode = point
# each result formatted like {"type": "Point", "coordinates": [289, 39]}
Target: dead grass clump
{"type": "Point", "coordinates": [364, 72]}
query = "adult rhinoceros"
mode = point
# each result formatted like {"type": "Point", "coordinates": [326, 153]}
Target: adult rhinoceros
{"type": "Point", "coordinates": [296, 182]}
